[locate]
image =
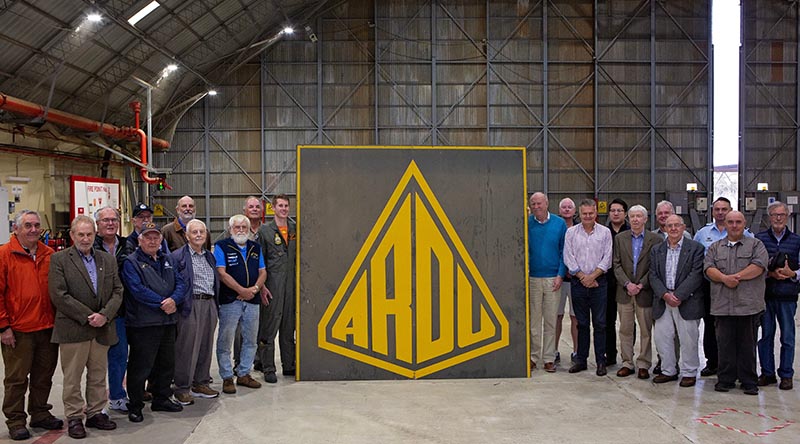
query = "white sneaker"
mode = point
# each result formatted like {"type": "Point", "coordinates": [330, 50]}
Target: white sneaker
{"type": "Point", "coordinates": [120, 405]}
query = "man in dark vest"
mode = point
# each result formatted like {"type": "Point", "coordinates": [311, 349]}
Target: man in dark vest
{"type": "Point", "coordinates": [783, 248]}
{"type": "Point", "coordinates": [278, 240]}
{"type": "Point", "coordinates": [155, 292]}
{"type": "Point", "coordinates": [241, 270]}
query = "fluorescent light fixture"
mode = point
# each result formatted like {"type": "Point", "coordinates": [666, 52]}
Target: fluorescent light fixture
{"type": "Point", "coordinates": [288, 30]}
{"type": "Point", "coordinates": [20, 179]}
{"type": "Point", "coordinates": [94, 17]}
{"type": "Point", "coordinates": [212, 92]}
{"type": "Point", "coordinates": [135, 18]}
{"type": "Point", "coordinates": [171, 67]}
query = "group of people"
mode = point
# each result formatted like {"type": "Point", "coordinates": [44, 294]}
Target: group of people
{"type": "Point", "coordinates": [147, 305]}
{"type": "Point", "coordinates": [661, 284]}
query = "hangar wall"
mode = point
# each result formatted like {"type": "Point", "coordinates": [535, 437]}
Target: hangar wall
{"type": "Point", "coordinates": [610, 98]}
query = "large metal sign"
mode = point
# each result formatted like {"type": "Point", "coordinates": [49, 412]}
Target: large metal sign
{"type": "Point", "coordinates": [412, 262]}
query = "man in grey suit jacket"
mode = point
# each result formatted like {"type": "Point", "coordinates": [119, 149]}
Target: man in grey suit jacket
{"type": "Point", "coordinates": [634, 295]}
{"type": "Point", "coordinates": [676, 276]}
{"type": "Point", "coordinates": [86, 292]}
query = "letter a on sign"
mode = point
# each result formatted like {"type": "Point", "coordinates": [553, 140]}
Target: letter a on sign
{"type": "Point", "coordinates": [413, 302]}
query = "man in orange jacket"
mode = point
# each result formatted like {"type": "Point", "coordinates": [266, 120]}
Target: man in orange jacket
{"type": "Point", "coordinates": [26, 323]}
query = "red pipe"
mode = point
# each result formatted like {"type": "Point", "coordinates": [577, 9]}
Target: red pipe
{"type": "Point", "coordinates": [30, 109]}
{"type": "Point", "coordinates": [137, 109]}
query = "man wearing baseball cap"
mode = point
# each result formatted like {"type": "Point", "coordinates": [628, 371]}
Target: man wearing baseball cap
{"type": "Point", "coordinates": [155, 290]}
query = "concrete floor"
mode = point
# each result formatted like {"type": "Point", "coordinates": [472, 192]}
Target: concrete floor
{"type": "Point", "coordinates": [557, 407]}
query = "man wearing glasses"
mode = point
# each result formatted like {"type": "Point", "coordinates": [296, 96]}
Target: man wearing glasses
{"type": "Point", "coordinates": [109, 240]}
{"type": "Point", "coordinates": [783, 248]}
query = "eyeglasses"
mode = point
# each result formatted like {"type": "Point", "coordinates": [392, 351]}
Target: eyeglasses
{"type": "Point", "coordinates": [109, 220]}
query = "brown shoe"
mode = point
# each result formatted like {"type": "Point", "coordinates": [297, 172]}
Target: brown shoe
{"type": "Point", "coordinates": [228, 386]}
{"type": "Point", "coordinates": [101, 421]}
{"type": "Point", "coordinates": [550, 367]}
{"type": "Point", "coordinates": [786, 384]}
{"type": "Point", "coordinates": [687, 381]}
{"type": "Point", "coordinates": [75, 429]}
{"type": "Point", "coordinates": [662, 378]}
{"type": "Point", "coordinates": [764, 380]}
{"type": "Point", "coordinates": [204, 391]}
{"type": "Point", "coordinates": [248, 381]}
{"type": "Point", "coordinates": [624, 372]}
{"type": "Point", "coordinates": [643, 374]}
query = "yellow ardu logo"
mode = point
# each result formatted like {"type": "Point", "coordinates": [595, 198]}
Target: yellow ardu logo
{"type": "Point", "coordinates": [413, 302]}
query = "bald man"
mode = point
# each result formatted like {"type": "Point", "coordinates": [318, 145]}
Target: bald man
{"type": "Point", "coordinates": [175, 233]}
{"type": "Point", "coordinates": [736, 265]}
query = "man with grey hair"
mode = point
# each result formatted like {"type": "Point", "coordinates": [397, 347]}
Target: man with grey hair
{"type": "Point", "coordinates": [634, 295]}
{"type": "Point", "coordinates": [545, 250]}
{"type": "Point", "coordinates": [676, 276]}
{"type": "Point", "coordinates": [175, 232]}
{"type": "Point", "coordinates": [86, 290]}
{"type": "Point", "coordinates": [566, 209]}
{"type": "Point", "coordinates": [242, 272]}
{"type": "Point", "coordinates": [26, 326]}
{"type": "Point", "coordinates": [197, 318]}
{"type": "Point", "coordinates": [783, 248]}
{"type": "Point", "coordinates": [108, 239]}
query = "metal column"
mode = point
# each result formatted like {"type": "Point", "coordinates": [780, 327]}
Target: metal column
{"type": "Point", "coordinates": [546, 105]}
{"type": "Point", "coordinates": [652, 113]}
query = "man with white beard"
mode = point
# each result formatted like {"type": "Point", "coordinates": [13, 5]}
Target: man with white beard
{"type": "Point", "coordinates": [241, 270]}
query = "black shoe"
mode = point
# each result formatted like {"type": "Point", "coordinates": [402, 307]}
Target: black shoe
{"type": "Point", "coordinates": [288, 372]}
{"type": "Point", "coordinates": [601, 369]}
{"type": "Point", "coordinates": [750, 389]}
{"type": "Point", "coordinates": [723, 386]}
{"type": "Point", "coordinates": [270, 377]}
{"type": "Point", "coordinates": [135, 415]}
{"type": "Point", "coordinates": [19, 433]}
{"type": "Point", "coordinates": [166, 405]}
{"type": "Point", "coordinates": [708, 371]}
{"type": "Point", "coordinates": [578, 368]}
{"type": "Point", "coordinates": [49, 423]}
{"type": "Point", "coordinates": [101, 421]}
{"type": "Point", "coordinates": [657, 368]}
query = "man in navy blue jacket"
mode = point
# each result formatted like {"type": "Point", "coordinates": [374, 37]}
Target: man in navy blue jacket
{"type": "Point", "coordinates": [783, 247]}
{"type": "Point", "coordinates": [241, 270]}
{"type": "Point", "coordinates": [155, 293]}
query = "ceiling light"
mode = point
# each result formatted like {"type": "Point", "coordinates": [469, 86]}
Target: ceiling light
{"type": "Point", "coordinates": [171, 67]}
{"type": "Point", "coordinates": [94, 17]}
{"type": "Point", "coordinates": [135, 18]}
{"type": "Point", "coordinates": [212, 92]}
{"type": "Point", "coordinates": [288, 30]}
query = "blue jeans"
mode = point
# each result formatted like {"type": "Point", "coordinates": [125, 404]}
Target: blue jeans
{"type": "Point", "coordinates": [236, 313]}
{"type": "Point", "coordinates": [590, 304]}
{"type": "Point", "coordinates": [118, 362]}
{"type": "Point", "coordinates": [782, 312]}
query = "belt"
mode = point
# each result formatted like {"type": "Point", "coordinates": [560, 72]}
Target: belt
{"type": "Point", "coordinates": [204, 296]}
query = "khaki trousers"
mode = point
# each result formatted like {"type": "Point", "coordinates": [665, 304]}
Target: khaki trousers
{"type": "Point", "coordinates": [628, 314]}
{"type": "Point", "coordinates": [544, 308]}
{"type": "Point", "coordinates": [75, 358]}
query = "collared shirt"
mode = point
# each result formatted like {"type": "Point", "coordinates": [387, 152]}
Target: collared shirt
{"type": "Point", "coordinates": [673, 254]}
{"type": "Point", "coordinates": [91, 267]}
{"type": "Point", "coordinates": [730, 258]}
{"type": "Point", "coordinates": [546, 220]}
{"type": "Point", "coordinates": [710, 234]}
{"type": "Point", "coordinates": [637, 242]}
{"type": "Point", "coordinates": [587, 251]}
{"type": "Point", "coordinates": [113, 249]}
{"type": "Point", "coordinates": [203, 274]}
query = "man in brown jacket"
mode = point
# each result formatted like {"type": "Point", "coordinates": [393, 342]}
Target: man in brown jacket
{"type": "Point", "coordinates": [175, 233]}
{"type": "Point", "coordinates": [86, 292]}
{"type": "Point", "coordinates": [634, 295]}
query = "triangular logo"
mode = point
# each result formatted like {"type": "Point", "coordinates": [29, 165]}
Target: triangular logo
{"type": "Point", "coordinates": [413, 302]}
